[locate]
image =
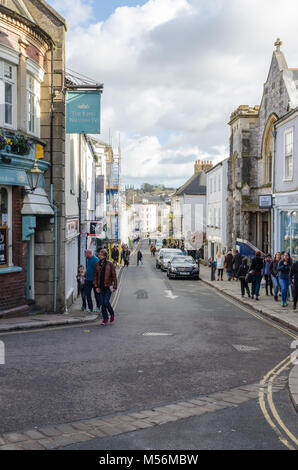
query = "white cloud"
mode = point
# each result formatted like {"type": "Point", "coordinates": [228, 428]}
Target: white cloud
{"type": "Point", "coordinates": [76, 12]}
{"type": "Point", "coordinates": [178, 68]}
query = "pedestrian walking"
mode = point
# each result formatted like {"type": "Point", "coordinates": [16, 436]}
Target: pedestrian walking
{"type": "Point", "coordinates": [284, 268]}
{"type": "Point", "coordinates": [229, 265]}
{"type": "Point", "coordinates": [267, 274]}
{"type": "Point", "coordinates": [242, 276]}
{"type": "Point", "coordinates": [81, 279]}
{"type": "Point", "coordinates": [212, 265]}
{"type": "Point", "coordinates": [139, 258]}
{"type": "Point", "coordinates": [105, 283]}
{"type": "Point", "coordinates": [115, 255]}
{"type": "Point", "coordinates": [256, 267]}
{"type": "Point", "coordinates": [274, 274]}
{"type": "Point", "coordinates": [220, 259]}
{"type": "Point", "coordinates": [237, 259]}
{"type": "Point", "coordinates": [125, 256]}
{"type": "Point", "coordinates": [91, 261]}
{"type": "Point", "coordinates": [294, 282]}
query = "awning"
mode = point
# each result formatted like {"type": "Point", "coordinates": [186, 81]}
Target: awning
{"type": "Point", "coordinates": [37, 203]}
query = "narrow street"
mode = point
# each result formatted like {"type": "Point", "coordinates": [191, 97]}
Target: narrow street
{"type": "Point", "coordinates": [173, 341]}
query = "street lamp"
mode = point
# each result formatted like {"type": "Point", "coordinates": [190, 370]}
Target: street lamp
{"type": "Point", "coordinates": [34, 176]}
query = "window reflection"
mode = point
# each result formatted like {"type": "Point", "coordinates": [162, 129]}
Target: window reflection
{"type": "Point", "coordinates": [3, 207]}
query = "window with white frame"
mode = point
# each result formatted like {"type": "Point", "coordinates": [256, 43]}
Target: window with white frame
{"type": "Point", "coordinates": [288, 162]}
{"type": "Point", "coordinates": [33, 105]}
{"type": "Point", "coordinates": [8, 95]}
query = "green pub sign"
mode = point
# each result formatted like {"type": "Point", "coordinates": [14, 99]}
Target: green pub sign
{"type": "Point", "coordinates": [83, 112]}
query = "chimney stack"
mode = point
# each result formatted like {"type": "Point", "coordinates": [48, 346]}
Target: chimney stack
{"type": "Point", "coordinates": [203, 165]}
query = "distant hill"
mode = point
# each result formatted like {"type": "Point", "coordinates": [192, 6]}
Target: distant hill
{"type": "Point", "coordinates": [153, 193]}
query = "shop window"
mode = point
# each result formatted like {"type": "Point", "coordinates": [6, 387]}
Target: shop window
{"type": "Point", "coordinates": [8, 95]}
{"type": "Point", "coordinates": [289, 232]}
{"type": "Point", "coordinates": [3, 207]}
{"type": "Point", "coordinates": [6, 217]}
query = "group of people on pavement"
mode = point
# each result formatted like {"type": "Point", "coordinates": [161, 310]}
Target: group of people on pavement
{"type": "Point", "coordinates": [280, 274]}
{"type": "Point", "coordinates": [99, 277]}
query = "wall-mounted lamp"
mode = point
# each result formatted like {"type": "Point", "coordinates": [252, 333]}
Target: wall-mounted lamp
{"type": "Point", "coordinates": [34, 176]}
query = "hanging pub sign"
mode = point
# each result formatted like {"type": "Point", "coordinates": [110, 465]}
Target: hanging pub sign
{"type": "Point", "coordinates": [83, 112]}
{"type": "Point", "coordinates": [3, 247]}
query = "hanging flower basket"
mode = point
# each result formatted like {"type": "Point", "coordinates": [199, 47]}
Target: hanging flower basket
{"type": "Point", "coordinates": [20, 145]}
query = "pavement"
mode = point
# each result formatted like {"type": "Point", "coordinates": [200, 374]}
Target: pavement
{"type": "Point", "coordinates": [267, 306]}
{"type": "Point", "coordinates": [73, 316]}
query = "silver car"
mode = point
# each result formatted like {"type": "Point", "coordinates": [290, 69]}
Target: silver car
{"type": "Point", "coordinates": [183, 267]}
{"type": "Point", "coordinates": [166, 257]}
{"type": "Point", "coordinates": [161, 252]}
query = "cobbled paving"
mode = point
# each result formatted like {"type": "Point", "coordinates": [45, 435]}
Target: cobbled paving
{"type": "Point", "coordinates": [53, 437]}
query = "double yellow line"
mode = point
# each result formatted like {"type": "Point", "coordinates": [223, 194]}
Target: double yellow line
{"type": "Point", "coordinates": [266, 385]}
{"type": "Point", "coordinates": [266, 402]}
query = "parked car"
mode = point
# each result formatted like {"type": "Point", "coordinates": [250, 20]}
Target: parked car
{"type": "Point", "coordinates": [162, 252]}
{"type": "Point", "coordinates": [166, 257]}
{"type": "Point", "coordinates": [183, 267]}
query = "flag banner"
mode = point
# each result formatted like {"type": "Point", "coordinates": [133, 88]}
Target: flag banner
{"type": "Point", "coordinates": [83, 112]}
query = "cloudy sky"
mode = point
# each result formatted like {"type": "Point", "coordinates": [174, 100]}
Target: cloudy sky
{"type": "Point", "coordinates": [173, 72]}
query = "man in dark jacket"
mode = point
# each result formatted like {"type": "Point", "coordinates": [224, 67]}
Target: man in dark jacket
{"type": "Point", "coordinates": [139, 257]}
{"type": "Point", "coordinates": [241, 275]}
{"type": "Point", "coordinates": [237, 259]}
{"type": "Point", "coordinates": [229, 265]}
{"type": "Point", "coordinates": [294, 282]}
{"type": "Point", "coordinates": [105, 282]}
{"type": "Point", "coordinates": [257, 265]}
{"type": "Point", "coordinates": [115, 255]}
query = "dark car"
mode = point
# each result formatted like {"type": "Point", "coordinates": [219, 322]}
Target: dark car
{"type": "Point", "coordinates": [183, 267]}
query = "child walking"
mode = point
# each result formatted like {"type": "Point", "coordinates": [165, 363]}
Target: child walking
{"type": "Point", "coordinates": [81, 285]}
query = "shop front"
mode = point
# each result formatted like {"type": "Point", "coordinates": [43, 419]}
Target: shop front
{"type": "Point", "coordinates": [17, 227]}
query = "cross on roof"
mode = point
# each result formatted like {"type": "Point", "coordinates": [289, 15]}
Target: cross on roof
{"type": "Point", "coordinates": [278, 43]}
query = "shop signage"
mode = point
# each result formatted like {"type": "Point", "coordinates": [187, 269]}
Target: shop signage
{"type": "Point", "coordinates": [3, 247]}
{"type": "Point", "coordinates": [13, 177]}
{"type": "Point", "coordinates": [83, 112]}
{"type": "Point", "coordinates": [265, 201]}
{"type": "Point", "coordinates": [96, 229]}
{"type": "Point", "coordinates": [72, 228]}
{"type": "Point", "coordinates": [39, 152]}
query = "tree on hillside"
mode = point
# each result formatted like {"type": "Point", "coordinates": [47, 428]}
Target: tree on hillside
{"type": "Point", "coordinates": [147, 188]}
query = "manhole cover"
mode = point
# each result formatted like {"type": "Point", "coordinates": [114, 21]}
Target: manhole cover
{"type": "Point", "coordinates": [243, 348]}
{"type": "Point", "coordinates": [157, 334]}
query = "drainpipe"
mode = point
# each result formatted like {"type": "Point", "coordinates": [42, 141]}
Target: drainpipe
{"type": "Point", "coordinates": [273, 191]}
{"type": "Point", "coordinates": [80, 203]}
{"type": "Point", "coordinates": [54, 207]}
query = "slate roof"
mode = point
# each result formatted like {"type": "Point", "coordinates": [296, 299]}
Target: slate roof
{"type": "Point", "coordinates": [195, 186]}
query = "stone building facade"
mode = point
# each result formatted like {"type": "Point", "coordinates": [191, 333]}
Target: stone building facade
{"type": "Point", "coordinates": [32, 39]}
{"type": "Point", "coordinates": [251, 158]}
